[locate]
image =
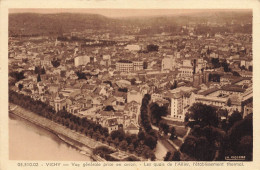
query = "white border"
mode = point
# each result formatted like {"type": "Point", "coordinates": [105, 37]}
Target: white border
{"type": "Point", "coordinates": [6, 164]}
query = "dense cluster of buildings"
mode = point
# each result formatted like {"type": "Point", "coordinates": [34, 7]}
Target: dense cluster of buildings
{"type": "Point", "coordinates": [117, 78]}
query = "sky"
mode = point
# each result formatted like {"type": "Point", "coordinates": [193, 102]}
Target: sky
{"type": "Point", "coordinates": [115, 13]}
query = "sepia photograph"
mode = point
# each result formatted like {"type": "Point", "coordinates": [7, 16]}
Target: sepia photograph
{"type": "Point", "coordinates": [130, 84]}
{"type": "Point", "coordinates": [119, 84]}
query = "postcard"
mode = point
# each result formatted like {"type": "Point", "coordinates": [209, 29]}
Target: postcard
{"type": "Point", "coordinates": [120, 84]}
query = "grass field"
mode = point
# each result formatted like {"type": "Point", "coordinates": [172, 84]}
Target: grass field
{"type": "Point", "coordinates": [177, 142]}
{"type": "Point", "coordinates": [180, 131]}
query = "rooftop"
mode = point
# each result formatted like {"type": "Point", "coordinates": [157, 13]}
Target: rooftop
{"type": "Point", "coordinates": [124, 61]}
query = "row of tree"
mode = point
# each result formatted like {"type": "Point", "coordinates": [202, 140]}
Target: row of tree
{"type": "Point", "coordinates": [105, 152]}
{"type": "Point", "coordinates": [216, 64]}
{"type": "Point", "coordinates": [55, 62]}
{"type": "Point", "coordinates": [213, 139]}
{"type": "Point", "coordinates": [17, 75]}
{"type": "Point", "coordinates": [39, 70]}
{"type": "Point", "coordinates": [156, 113]}
{"type": "Point", "coordinates": [149, 133]}
{"type": "Point", "coordinates": [172, 156]}
{"type": "Point", "coordinates": [141, 144]}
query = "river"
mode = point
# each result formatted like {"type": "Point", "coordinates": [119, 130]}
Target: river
{"type": "Point", "coordinates": [31, 142]}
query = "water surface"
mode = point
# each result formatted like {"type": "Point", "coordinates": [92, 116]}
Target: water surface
{"type": "Point", "coordinates": [31, 142]}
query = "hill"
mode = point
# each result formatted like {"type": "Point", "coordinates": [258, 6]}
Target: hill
{"type": "Point", "coordinates": [52, 24]}
{"type": "Point", "coordinates": [55, 24]}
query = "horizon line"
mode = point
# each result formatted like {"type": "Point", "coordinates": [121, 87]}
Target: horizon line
{"type": "Point", "coordinates": [120, 12]}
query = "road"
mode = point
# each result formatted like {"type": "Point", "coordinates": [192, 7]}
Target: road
{"type": "Point", "coordinates": [167, 144]}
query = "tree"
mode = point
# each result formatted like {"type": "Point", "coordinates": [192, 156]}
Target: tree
{"type": "Point", "coordinates": [123, 90]}
{"type": "Point", "coordinates": [147, 152]}
{"type": "Point", "coordinates": [17, 75]}
{"type": "Point", "coordinates": [145, 65]}
{"type": "Point", "coordinates": [131, 148]}
{"type": "Point", "coordinates": [39, 78]}
{"type": "Point", "coordinates": [246, 147]}
{"type": "Point", "coordinates": [105, 132]}
{"type": "Point", "coordinates": [225, 65]}
{"type": "Point", "coordinates": [229, 102]}
{"type": "Point", "coordinates": [201, 153]}
{"type": "Point", "coordinates": [215, 62]}
{"type": "Point", "coordinates": [55, 63]}
{"type": "Point", "coordinates": [239, 140]}
{"type": "Point", "coordinates": [222, 112]}
{"type": "Point", "coordinates": [173, 135]}
{"type": "Point", "coordinates": [174, 86]}
{"type": "Point", "coordinates": [118, 134]}
{"type": "Point", "coordinates": [243, 67]}
{"type": "Point", "coordinates": [150, 141]}
{"type": "Point", "coordinates": [152, 47]}
{"type": "Point", "coordinates": [25, 60]}
{"type": "Point", "coordinates": [81, 75]}
{"type": "Point", "coordinates": [91, 132]}
{"type": "Point", "coordinates": [214, 77]}
{"type": "Point", "coordinates": [157, 112]}
{"type": "Point", "coordinates": [133, 81]}
{"type": "Point", "coordinates": [109, 108]}
{"type": "Point", "coordinates": [98, 136]}
{"type": "Point", "coordinates": [141, 135]}
{"type": "Point", "coordinates": [236, 74]}
{"type": "Point", "coordinates": [164, 127]}
{"type": "Point", "coordinates": [116, 142]}
{"type": "Point", "coordinates": [176, 156]}
{"type": "Point", "coordinates": [37, 70]}
{"type": "Point", "coordinates": [131, 138]}
{"type": "Point", "coordinates": [108, 82]}
{"type": "Point", "coordinates": [203, 114]}
{"type": "Point", "coordinates": [152, 156]}
{"type": "Point", "coordinates": [123, 145]}
{"type": "Point", "coordinates": [43, 70]}
{"type": "Point", "coordinates": [145, 120]}
{"type": "Point", "coordinates": [109, 140]}
{"type": "Point", "coordinates": [20, 86]}
{"type": "Point", "coordinates": [189, 145]}
{"type": "Point", "coordinates": [235, 117]}
{"type": "Point", "coordinates": [250, 68]}
{"type": "Point", "coordinates": [167, 156]}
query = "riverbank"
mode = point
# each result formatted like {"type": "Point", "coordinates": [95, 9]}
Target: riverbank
{"type": "Point", "coordinates": [31, 136]}
{"type": "Point", "coordinates": [75, 139]}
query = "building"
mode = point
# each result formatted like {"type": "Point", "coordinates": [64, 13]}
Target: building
{"type": "Point", "coordinates": [124, 66]}
{"type": "Point", "coordinates": [232, 89]}
{"type": "Point", "coordinates": [156, 96]}
{"type": "Point", "coordinates": [134, 95]}
{"type": "Point", "coordinates": [106, 57]}
{"type": "Point", "coordinates": [185, 71]}
{"type": "Point", "coordinates": [81, 60]}
{"type": "Point", "coordinates": [60, 103]}
{"type": "Point", "coordinates": [69, 92]}
{"type": "Point", "coordinates": [186, 63]}
{"type": "Point", "coordinates": [129, 66]}
{"type": "Point", "coordinates": [211, 100]}
{"type": "Point", "coordinates": [248, 109]}
{"type": "Point", "coordinates": [177, 107]}
{"type": "Point", "coordinates": [132, 129]}
{"type": "Point", "coordinates": [111, 124]}
{"type": "Point", "coordinates": [138, 65]}
{"type": "Point", "coordinates": [132, 109]}
{"type": "Point", "coordinates": [226, 79]}
{"type": "Point", "coordinates": [200, 65]}
{"type": "Point", "coordinates": [197, 79]}
{"type": "Point", "coordinates": [133, 47]}
{"type": "Point", "coordinates": [168, 63]}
